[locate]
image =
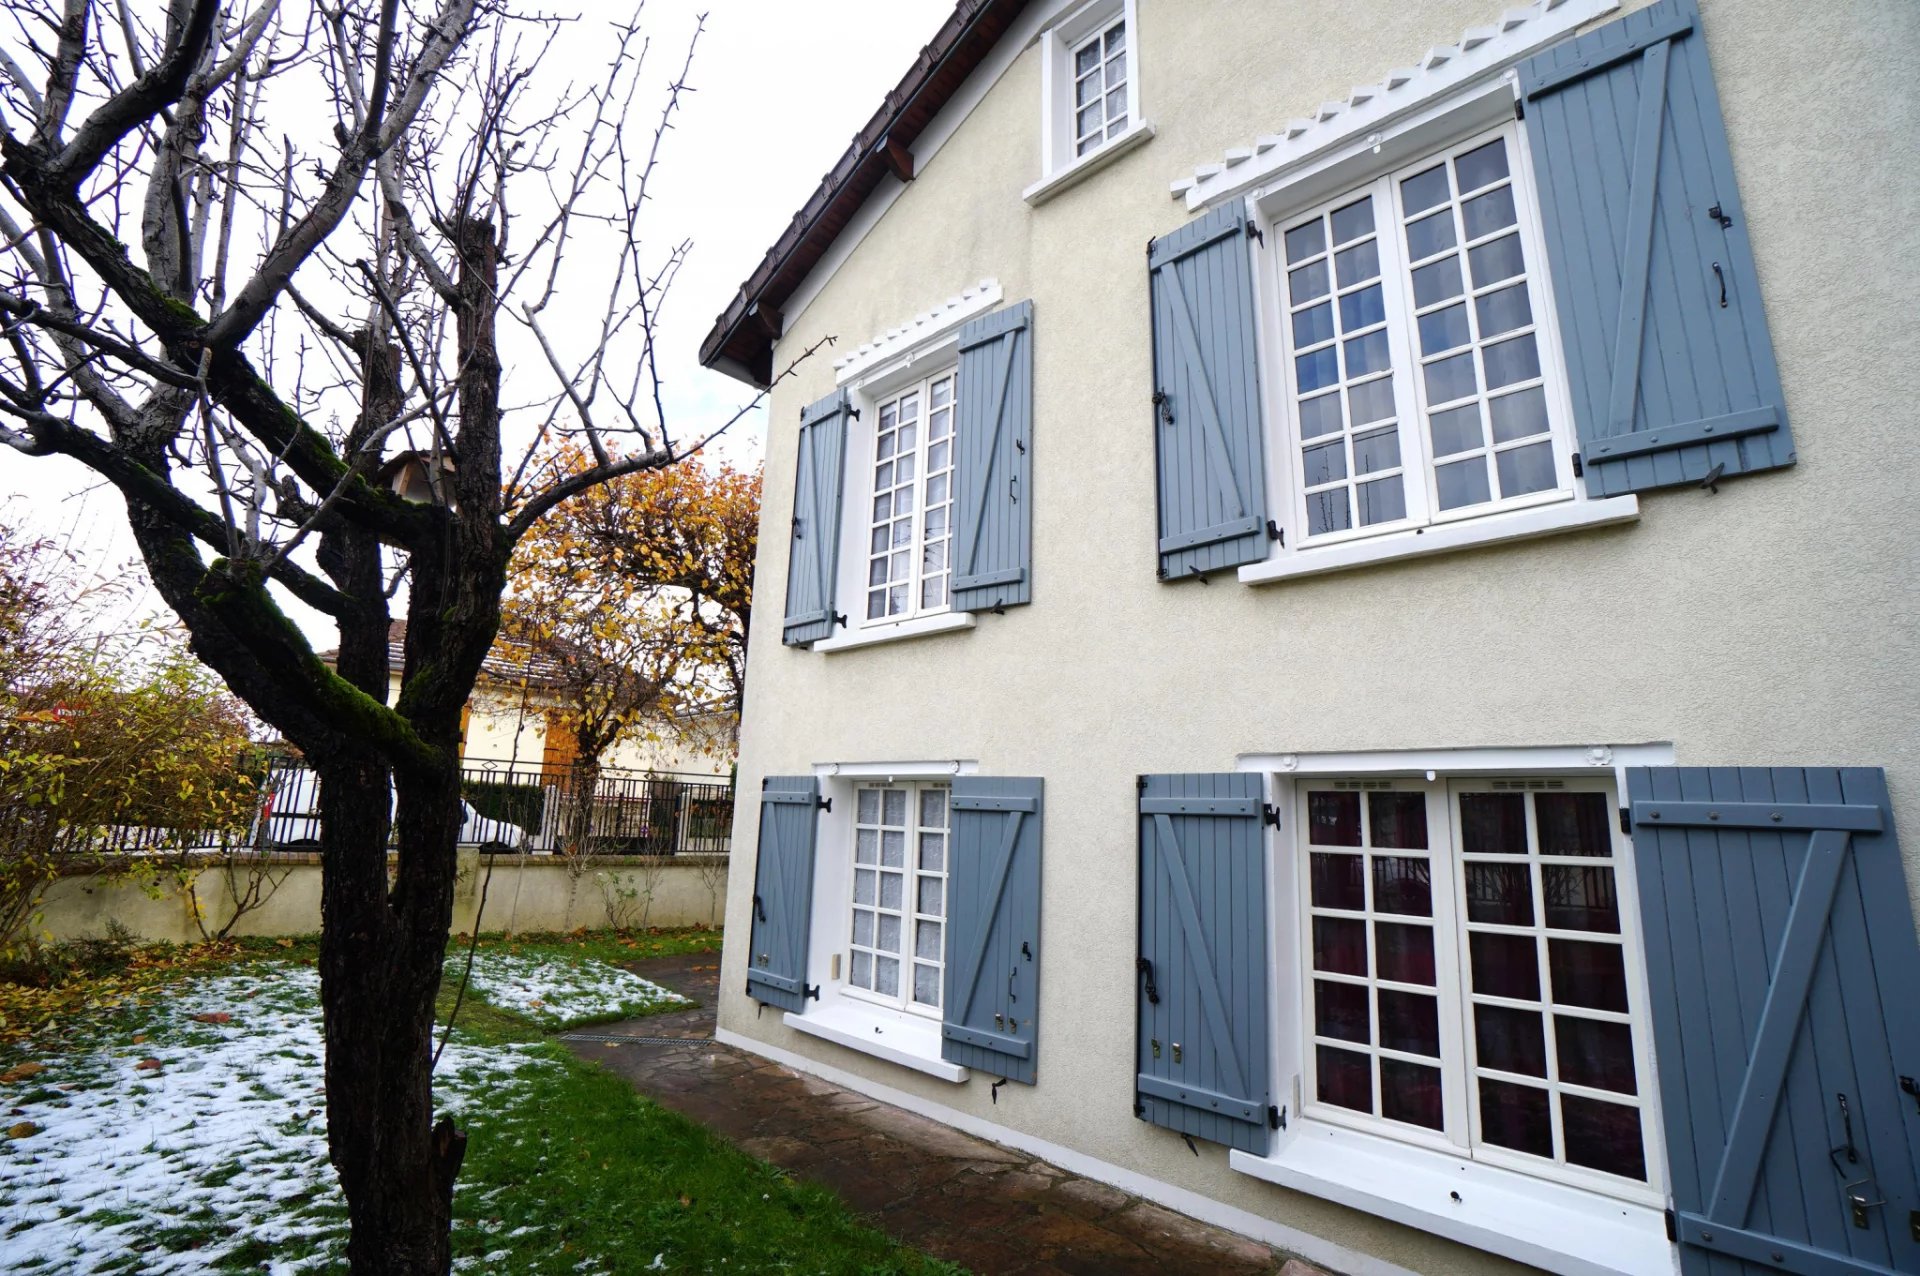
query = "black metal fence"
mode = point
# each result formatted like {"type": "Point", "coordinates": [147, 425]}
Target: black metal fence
{"type": "Point", "coordinates": [529, 809]}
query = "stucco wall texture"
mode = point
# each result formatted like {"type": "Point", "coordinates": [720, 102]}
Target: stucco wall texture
{"type": "Point", "coordinates": [1772, 623]}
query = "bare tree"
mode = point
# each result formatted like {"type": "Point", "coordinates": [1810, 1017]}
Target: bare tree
{"type": "Point", "coordinates": [256, 261]}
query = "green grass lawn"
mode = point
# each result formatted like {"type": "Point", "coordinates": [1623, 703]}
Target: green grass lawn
{"type": "Point", "coordinates": [215, 1158]}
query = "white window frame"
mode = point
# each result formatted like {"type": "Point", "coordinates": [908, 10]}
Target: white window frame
{"type": "Point", "coordinates": [1541, 1220]}
{"type": "Point", "coordinates": [1460, 1065]}
{"type": "Point", "coordinates": [1375, 164]}
{"type": "Point", "coordinates": [901, 1037]}
{"type": "Point", "coordinates": [922, 480]}
{"type": "Point", "coordinates": [1060, 165]}
{"type": "Point", "coordinates": [1417, 461]}
{"type": "Point", "coordinates": [909, 911]}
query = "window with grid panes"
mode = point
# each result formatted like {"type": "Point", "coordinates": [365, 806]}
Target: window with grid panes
{"type": "Point", "coordinates": [912, 513]}
{"type": "Point", "coordinates": [1099, 88]}
{"type": "Point", "coordinates": [898, 941]}
{"type": "Point", "coordinates": [1417, 384]}
{"type": "Point", "coordinates": [1470, 973]}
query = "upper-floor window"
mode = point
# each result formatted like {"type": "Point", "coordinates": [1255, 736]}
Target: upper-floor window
{"type": "Point", "coordinates": [1099, 87]}
{"type": "Point", "coordinates": [1419, 383]}
{"type": "Point", "coordinates": [1090, 93]}
{"type": "Point", "coordinates": [911, 525]}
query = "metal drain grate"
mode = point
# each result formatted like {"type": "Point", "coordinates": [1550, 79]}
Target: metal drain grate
{"type": "Point", "coordinates": [617, 1039]}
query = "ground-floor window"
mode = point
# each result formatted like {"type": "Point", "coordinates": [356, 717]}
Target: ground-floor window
{"type": "Point", "coordinates": [899, 906]}
{"type": "Point", "coordinates": [1470, 972]}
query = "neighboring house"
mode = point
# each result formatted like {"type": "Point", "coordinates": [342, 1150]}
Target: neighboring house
{"type": "Point", "coordinates": [515, 720]}
{"type": "Point", "coordinates": [1360, 688]}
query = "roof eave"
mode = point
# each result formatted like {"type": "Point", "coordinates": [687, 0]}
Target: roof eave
{"type": "Point", "coordinates": [741, 341]}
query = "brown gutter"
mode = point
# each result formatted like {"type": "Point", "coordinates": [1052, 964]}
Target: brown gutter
{"type": "Point", "coordinates": [741, 343]}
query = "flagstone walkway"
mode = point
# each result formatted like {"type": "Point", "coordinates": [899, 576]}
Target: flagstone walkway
{"type": "Point", "coordinates": [986, 1207]}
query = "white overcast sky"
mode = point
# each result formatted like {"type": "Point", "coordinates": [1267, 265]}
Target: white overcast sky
{"type": "Point", "coordinates": [782, 86]}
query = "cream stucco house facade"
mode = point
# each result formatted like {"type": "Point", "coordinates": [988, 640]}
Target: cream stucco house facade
{"type": "Point", "coordinates": [1351, 593]}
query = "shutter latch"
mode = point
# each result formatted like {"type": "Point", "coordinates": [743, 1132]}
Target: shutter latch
{"type": "Point", "coordinates": [1254, 232]}
{"type": "Point", "coordinates": [1719, 215]}
{"type": "Point", "coordinates": [809, 990]}
{"type": "Point", "coordinates": [1909, 1086]}
{"type": "Point", "coordinates": [759, 909]}
{"type": "Point", "coordinates": [1276, 1118]}
{"type": "Point", "coordinates": [823, 803]}
{"type": "Point", "coordinates": [1270, 814]}
{"type": "Point", "coordinates": [1166, 411]}
{"type": "Point", "coordinates": [1275, 532]}
{"type": "Point", "coordinates": [1145, 967]}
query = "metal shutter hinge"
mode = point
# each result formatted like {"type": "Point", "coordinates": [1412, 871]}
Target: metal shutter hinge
{"type": "Point", "coordinates": [1276, 1118]}
{"type": "Point", "coordinates": [1909, 1086]}
{"type": "Point", "coordinates": [1579, 470]}
{"type": "Point", "coordinates": [1626, 820]}
{"type": "Point", "coordinates": [1254, 232]}
{"type": "Point", "coordinates": [1673, 1230]}
{"type": "Point", "coordinates": [1166, 411]}
{"type": "Point", "coordinates": [1719, 214]}
{"type": "Point", "coordinates": [759, 909]}
{"type": "Point", "coordinates": [1139, 1109]}
{"type": "Point", "coordinates": [1140, 782]}
{"type": "Point", "coordinates": [1270, 814]}
{"type": "Point", "coordinates": [1519, 108]}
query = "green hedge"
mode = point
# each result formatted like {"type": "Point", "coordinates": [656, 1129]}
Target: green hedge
{"type": "Point", "coordinates": [524, 805]}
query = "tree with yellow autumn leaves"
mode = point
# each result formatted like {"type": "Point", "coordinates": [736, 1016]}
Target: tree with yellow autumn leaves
{"type": "Point", "coordinates": [638, 595]}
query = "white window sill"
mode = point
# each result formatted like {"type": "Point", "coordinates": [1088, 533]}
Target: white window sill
{"type": "Point", "coordinates": [1541, 520]}
{"type": "Point", "coordinates": [911, 1041]}
{"type": "Point", "coordinates": [1550, 1225]}
{"type": "Point", "coordinates": [867, 635]}
{"type": "Point", "coordinates": [1086, 165]}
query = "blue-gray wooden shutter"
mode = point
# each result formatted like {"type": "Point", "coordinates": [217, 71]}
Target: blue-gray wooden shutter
{"type": "Point", "coordinates": [1202, 969]}
{"type": "Point", "coordinates": [993, 540]}
{"type": "Point", "coordinates": [1206, 401]}
{"type": "Point", "coordinates": [814, 559]}
{"type": "Point", "coordinates": [1785, 985]}
{"type": "Point", "coordinates": [783, 892]}
{"type": "Point", "coordinates": [1668, 354]}
{"type": "Point", "coordinates": [992, 993]}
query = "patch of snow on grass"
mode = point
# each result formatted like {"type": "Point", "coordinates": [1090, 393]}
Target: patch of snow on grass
{"type": "Point", "coordinates": [562, 994]}
{"type": "Point", "coordinates": [218, 1154]}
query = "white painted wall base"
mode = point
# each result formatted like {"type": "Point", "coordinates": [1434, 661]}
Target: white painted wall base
{"type": "Point", "coordinates": [1312, 1248]}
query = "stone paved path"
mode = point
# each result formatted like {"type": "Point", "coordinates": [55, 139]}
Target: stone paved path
{"type": "Point", "coordinates": [959, 1198]}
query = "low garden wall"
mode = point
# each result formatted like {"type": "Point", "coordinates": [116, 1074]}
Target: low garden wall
{"type": "Point", "coordinates": [523, 893]}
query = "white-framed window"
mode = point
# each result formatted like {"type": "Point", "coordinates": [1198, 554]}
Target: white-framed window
{"type": "Point", "coordinates": [1419, 376]}
{"type": "Point", "coordinates": [910, 500]}
{"type": "Point", "coordinates": [1099, 68]}
{"type": "Point", "coordinates": [897, 938]}
{"type": "Point", "coordinates": [1470, 975]}
{"type": "Point", "coordinates": [1090, 93]}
